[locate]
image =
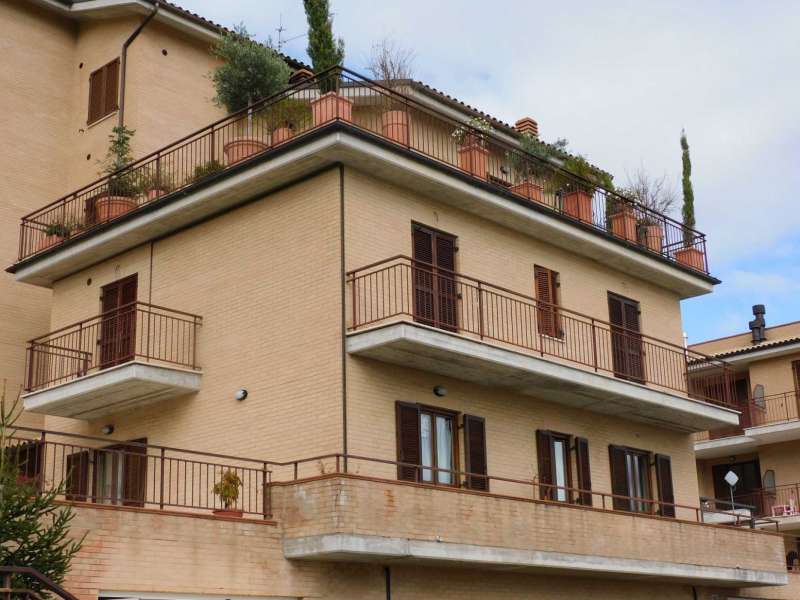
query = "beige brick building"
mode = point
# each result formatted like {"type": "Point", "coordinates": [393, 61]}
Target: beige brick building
{"type": "Point", "coordinates": [436, 365]}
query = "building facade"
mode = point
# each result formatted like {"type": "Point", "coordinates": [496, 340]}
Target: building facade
{"type": "Point", "coordinates": [425, 362]}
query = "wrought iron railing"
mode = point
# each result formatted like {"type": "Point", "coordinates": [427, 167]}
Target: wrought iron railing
{"type": "Point", "coordinates": [755, 412]}
{"type": "Point", "coordinates": [26, 583]}
{"type": "Point", "coordinates": [399, 287]}
{"type": "Point", "coordinates": [135, 331]}
{"type": "Point", "coordinates": [387, 114]}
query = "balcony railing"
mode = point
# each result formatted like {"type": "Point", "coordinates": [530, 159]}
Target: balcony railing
{"type": "Point", "coordinates": [135, 331]}
{"type": "Point", "coordinates": [778, 501]}
{"type": "Point", "coordinates": [401, 288]}
{"type": "Point", "coordinates": [766, 410]}
{"type": "Point", "coordinates": [134, 473]}
{"type": "Point", "coordinates": [387, 114]}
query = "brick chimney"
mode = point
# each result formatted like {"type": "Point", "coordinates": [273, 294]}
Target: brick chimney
{"type": "Point", "coordinates": [527, 125]}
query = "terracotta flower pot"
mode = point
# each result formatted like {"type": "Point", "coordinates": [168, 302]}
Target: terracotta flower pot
{"type": "Point", "coordinates": [155, 194]}
{"type": "Point", "coordinates": [48, 241]}
{"type": "Point", "coordinates": [111, 207]}
{"type": "Point", "coordinates": [474, 159]}
{"type": "Point", "coordinates": [331, 106]}
{"type": "Point", "coordinates": [281, 134]}
{"type": "Point", "coordinates": [690, 257]}
{"type": "Point", "coordinates": [228, 512]}
{"type": "Point", "coordinates": [578, 204]}
{"type": "Point", "coordinates": [623, 224]}
{"type": "Point", "coordinates": [653, 237]}
{"type": "Point", "coordinates": [242, 148]}
{"type": "Point", "coordinates": [529, 190]}
{"type": "Point", "coordinates": [394, 124]}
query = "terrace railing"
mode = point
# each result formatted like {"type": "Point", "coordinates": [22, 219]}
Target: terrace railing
{"type": "Point", "coordinates": [755, 412]}
{"type": "Point", "coordinates": [135, 331]}
{"type": "Point", "coordinates": [133, 473]}
{"type": "Point", "coordinates": [387, 114]}
{"type": "Point", "coordinates": [400, 288]}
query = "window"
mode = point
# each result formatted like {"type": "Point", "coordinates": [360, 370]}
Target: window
{"type": "Point", "coordinates": [554, 453]}
{"type": "Point", "coordinates": [630, 479]}
{"type": "Point", "coordinates": [434, 265]}
{"type": "Point", "coordinates": [103, 91]}
{"type": "Point", "coordinates": [547, 318]}
{"type": "Point", "coordinates": [118, 474]}
{"type": "Point", "coordinates": [626, 343]}
{"type": "Point", "coordinates": [427, 442]}
{"type": "Point", "coordinates": [118, 322]}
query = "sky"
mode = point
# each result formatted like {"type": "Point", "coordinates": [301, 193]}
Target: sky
{"type": "Point", "coordinates": [619, 80]}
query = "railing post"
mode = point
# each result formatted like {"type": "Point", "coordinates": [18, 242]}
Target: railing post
{"type": "Point", "coordinates": [42, 470]}
{"type": "Point", "coordinates": [158, 169]}
{"type": "Point", "coordinates": [266, 492]}
{"type": "Point", "coordinates": [161, 485]}
{"type": "Point", "coordinates": [480, 309]}
{"type": "Point", "coordinates": [594, 344]}
{"type": "Point", "coordinates": [213, 144]}
{"type": "Point", "coordinates": [194, 344]}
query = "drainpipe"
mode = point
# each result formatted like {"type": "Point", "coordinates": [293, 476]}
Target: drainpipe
{"type": "Point", "coordinates": [123, 61]}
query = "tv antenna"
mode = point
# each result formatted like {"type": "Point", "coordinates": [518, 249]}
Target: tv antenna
{"type": "Point", "coordinates": [281, 30]}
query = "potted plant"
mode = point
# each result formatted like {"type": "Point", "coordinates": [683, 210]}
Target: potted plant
{"type": "Point", "coordinates": [326, 53]}
{"type": "Point", "coordinates": [578, 192]}
{"type": "Point", "coordinates": [227, 490]}
{"type": "Point", "coordinates": [204, 170]}
{"type": "Point", "coordinates": [287, 117]}
{"type": "Point", "coordinates": [155, 184]}
{"type": "Point", "coordinates": [249, 72]}
{"type": "Point", "coordinates": [651, 233]}
{"type": "Point", "coordinates": [392, 66]}
{"type": "Point", "coordinates": [688, 255]}
{"type": "Point", "coordinates": [473, 157]}
{"type": "Point", "coordinates": [622, 218]}
{"type": "Point", "coordinates": [119, 195]}
{"type": "Point", "coordinates": [530, 171]}
{"type": "Point", "coordinates": [55, 233]}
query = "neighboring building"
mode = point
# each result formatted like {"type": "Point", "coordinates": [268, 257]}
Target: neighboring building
{"type": "Point", "coordinates": [455, 369]}
{"type": "Point", "coordinates": [763, 448]}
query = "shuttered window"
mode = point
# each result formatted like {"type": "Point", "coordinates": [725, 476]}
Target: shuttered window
{"type": "Point", "coordinates": [408, 442]}
{"type": "Point", "coordinates": [796, 371]}
{"type": "Point", "coordinates": [475, 452]}
{"type": "Point", "coordinates": [630, 479]}
{"type": "Point", "coordinates": [428, 441]}
{"type": "Point", "coordinates": [103, 91]}
{"type": "Point", "coordinates": [26, 458]}
{"type": "Point", "coordinates": [555, 466]}
{"type": "Point", "coordinates": [626, 343]}
{"type": "Point", "coordinates": [546, 283]}
{"type": "Point", "coordinates": [434, 264]}
{"type": "Point", "coordinates": [666, 493]}
{"type": "Point", "coordinates": [77, 480]}
{"type": "Point", "coordinates": [118, 324]}
{"type": "Point", "coordinates": [584, 471]}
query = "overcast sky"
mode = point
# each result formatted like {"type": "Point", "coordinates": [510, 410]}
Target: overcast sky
{"type": "Point", "coordinates": [619, 81]}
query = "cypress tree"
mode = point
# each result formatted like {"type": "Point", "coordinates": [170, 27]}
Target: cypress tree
{"type": "Point", "coordinates": [323, 50]}
{"type": "Point", "coordinates": [688, 193]}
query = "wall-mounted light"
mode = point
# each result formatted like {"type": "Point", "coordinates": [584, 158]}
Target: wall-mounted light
{"type": "Point", "coordinates": [107, 429]}
{"type": "Point", "coordinates": [440, 391]}
{"type": "Point", "coordinates": [241, 394]}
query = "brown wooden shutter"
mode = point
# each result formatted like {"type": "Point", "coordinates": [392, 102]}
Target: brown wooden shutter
{"type": "Point", "coordinates": [111, 84]}
{"type": "Point", "coordinates": [475, 452]}
{"type": "Point", "coordinates": [445, 282]}
{"type": "Point", "coordinates": [665, 490]}
{"type": "Point", "coordinates": [544, 453]}
{"type": "Point", "coordinates": [103, 91]}
{"type": "Point", "coordinates": [422, 246]}
{"type": "Point", "coordinates": [626, 345]}
{"type": "Point", "coordinates": [77, 476]}
{"type": "Point", "coordinates": [584, 471]}
{"type": "Point", "coordinates": [96, 91]}
{"type": "Point", "coordinates": [796, 371]}
{"type": "Point", "coordinates": [118, 324]}
{"type": "Point", "coordinates": [134, 474]}
{"type": "Point", "coordinates": [619, 477]}
{"type": "Point", "coordinates": [546, 282]}
{"type": "Point", "coordinates": [408, 441]}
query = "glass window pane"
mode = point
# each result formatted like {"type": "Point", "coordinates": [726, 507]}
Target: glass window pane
{"type": "Point", "coordinates": [426, 438]}
{"type": "Point", "coordinates": [444, 448]}
{"type": "Point", "coordinates": [561, 470]}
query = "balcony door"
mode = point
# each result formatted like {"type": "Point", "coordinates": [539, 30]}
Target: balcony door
{"type": "Point", "coordinates": [626, 343]}
{"type": "Point", "coordinates": [747, 490]}
{"type": "Point", "coordinates": [433, 269]}
{"type": "Point", "coordinates": [118, 322]}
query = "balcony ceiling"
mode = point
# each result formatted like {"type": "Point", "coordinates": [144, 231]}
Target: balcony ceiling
{"type": "Point", "coordinates": [327, 146]}
{"type": "Point", "coordinates": [749, 442]}
{"type": "Point", "coordinates": [433, 350]}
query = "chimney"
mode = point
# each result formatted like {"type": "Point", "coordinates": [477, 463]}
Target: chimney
{"type": "Point", "coordinates": [759, 324]}
{"type": "Point", "coordinates": [300, 75]}
{"type": "Point", "coordinates": [527, 125]}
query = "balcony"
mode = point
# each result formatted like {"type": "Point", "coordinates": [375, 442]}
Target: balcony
{"type": "Point", "coordinates": [766, 420]}
{"type": "Point", "coordinates": [778, 505]}
{"type": "Point", "coordinates": [409, 313]}
{"type": "Point", "coordinates": [411, 142]}
{"type": "Point", "coordinates": [352, 508]}
{"type": "Point", "coordinates": [131, 356]}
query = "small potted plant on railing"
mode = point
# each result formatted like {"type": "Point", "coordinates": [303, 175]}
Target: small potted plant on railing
{"type": "Point", "coordinates": [473, 157]}
{"type": "Point", "coordinates": [250, 72]}
{"type": "Point", "coordinates": [227, 490]}
{"type": "Point", "coordinates": [392, 65]}
{"type": "Point", "coordinates": [155, 184]}
{"type": "Point", "coordinates": [327, 56]}
{"type": "Point", "coordinates": [121, 189]}
{"type": "Point", "coordinates": [287, 117]}
{"type": "Point", "coordinates": [55, 233]}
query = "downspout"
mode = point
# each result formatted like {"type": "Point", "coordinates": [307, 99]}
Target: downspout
{"type": "Point", "coordinates": [123, 61]}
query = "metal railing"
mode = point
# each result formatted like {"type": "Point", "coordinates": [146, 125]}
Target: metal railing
{"type": "Point", "coordinates": [779, 501]}
{"type": "Point", "coordinates": [755, 412]}
{"type": "Point", "coordinates": [26, 583]}
{"type": "Point", "coordinates": [401, 288]}
{"type": "Point", "coordinates": [131, 473]}
{"type": "Point", "coordinates": [135, 331]}
{"type": "Point", "coordinates": [385, 113]}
